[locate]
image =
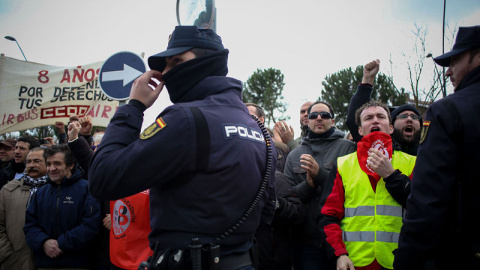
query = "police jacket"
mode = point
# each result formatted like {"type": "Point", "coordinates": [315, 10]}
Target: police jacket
{"type": "Point", "coordinates": [443, 211]}
{"type": "Point", "coordinates": [67, 213]}
{"type": "Point", "coordinates": [203, 160]}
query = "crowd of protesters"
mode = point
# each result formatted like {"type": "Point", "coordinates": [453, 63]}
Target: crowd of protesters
{"type": "Point", "coordinates": [340, 203]}
{"type": "Point", "coordinates": [49, 219]}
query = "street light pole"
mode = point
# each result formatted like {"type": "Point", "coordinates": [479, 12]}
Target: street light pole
{"type": "Point", "coordinates": [443, 49]}
{"type": "Point", "coordinates": [13, 39]}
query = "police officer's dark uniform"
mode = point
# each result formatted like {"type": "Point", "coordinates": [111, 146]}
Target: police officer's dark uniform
{"type": "Point", "coordinates": [203, 159]}
{"type": "Point", "coordinates": [442, 226]}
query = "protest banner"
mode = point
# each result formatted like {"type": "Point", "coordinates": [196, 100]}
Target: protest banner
{"type": "Point", "coordinates": [34, 95]}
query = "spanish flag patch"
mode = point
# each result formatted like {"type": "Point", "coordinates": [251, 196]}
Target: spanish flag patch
{"type": "Point", "coordinates": [160, 122]}
{"type": "Point", "coordinates": [153, 129]}
{"type": "Point", "coordinates": [423, 135]}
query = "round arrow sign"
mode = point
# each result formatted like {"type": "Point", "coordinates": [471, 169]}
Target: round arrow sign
{"type": "Point", "coordinates": [118, 73]}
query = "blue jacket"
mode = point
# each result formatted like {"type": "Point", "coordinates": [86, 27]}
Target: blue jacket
{"type": "Point", "coordinates": [67, 213]}
{"type": "Point", "coordinates": [202, 176]}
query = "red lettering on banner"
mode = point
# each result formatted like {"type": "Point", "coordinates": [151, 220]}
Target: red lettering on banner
{"type": "Point", "coordinates": [79, 75]}
{"type": "Point", "coordinates": [28, 115]}
{"type": "Point", "coordinates": [105, 110]}
{"type": "Point", "coordinates": [42, 76]}
{"type": "Point", "coordinates": [63, 111]}
{"type": "Point", "coordinates": [10, 118]}
{"type": "Point", "coordinates": [92, 112]}
{"type": "Point", "coordinates": [66, 76]}
{"type": "Point", "coordinates": [90, 77]}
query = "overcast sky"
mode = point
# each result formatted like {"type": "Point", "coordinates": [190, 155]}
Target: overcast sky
{"type": "Point", "coordinates": [305, 39]}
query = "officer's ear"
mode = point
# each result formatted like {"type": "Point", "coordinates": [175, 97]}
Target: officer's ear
{"type": "Point", "coordinates": [262, 119]}
{"type": "Point", "coordinates": [475, 59]}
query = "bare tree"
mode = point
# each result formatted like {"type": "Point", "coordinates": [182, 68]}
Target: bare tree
{"type": "Point", "coordinates": [416, 60]}
{"type": "Point", "coordinates": [423, 96]}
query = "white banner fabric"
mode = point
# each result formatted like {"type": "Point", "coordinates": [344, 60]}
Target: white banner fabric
{"type": "Point", "coordinates": [33, 95]}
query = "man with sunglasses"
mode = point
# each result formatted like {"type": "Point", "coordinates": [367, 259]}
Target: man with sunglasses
{"type": "Point", "coordinates": [362, 204]}
{"type": "Point", "coordinates": [441, 227]}
{"type": "Point", "coordinates": [308, 166]}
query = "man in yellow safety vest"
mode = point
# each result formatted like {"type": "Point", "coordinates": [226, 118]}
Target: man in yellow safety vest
{"type": "Point", "coordinates": [362, 203]}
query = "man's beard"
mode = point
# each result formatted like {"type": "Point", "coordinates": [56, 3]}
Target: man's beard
{"type": "Point", "coordinates": [398, 137]}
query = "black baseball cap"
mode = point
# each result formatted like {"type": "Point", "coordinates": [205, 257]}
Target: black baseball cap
{"type": "Point", "coordinates": [185, 38]}
{"type": "Point", "coordinates": [467, 38]}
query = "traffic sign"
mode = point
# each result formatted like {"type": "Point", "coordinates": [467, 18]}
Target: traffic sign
{"type": "Point", "coordinates": [118, 73]}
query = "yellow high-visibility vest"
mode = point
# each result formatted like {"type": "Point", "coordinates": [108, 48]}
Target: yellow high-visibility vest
{"type": "Point", "coordinates": [372, 222]}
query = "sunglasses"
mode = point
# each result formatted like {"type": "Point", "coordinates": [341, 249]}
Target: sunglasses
{"type": "Point", "coordinates": [324, 115]}
{"type": "Point", "coordinates": [406, 115]}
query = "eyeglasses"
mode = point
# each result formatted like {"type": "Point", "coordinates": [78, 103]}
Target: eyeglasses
{"type": "Point", "coordinates": [406, 115]}
{"type": "Point", "coordinates": [323, 115]}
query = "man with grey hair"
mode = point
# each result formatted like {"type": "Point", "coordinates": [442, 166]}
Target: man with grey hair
{"type": "Point", "coordinates": [14, 198]}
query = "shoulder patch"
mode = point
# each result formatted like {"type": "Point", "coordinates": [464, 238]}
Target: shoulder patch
{"type": "Point", "coordinates": [153, 129]}
{"type": "Point", "coordinates": [423, 135]}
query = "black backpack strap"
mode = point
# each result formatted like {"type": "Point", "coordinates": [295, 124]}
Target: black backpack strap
{"type": "Point", "coordinates": [202, 139]}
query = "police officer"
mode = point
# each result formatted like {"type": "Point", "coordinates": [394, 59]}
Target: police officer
{"type": "Point", "coordinates": [204, 158]}
{"type": "Point", "coordinates": [441, 226]}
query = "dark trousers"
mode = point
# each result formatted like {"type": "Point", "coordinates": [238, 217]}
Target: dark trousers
{"type": "Point", "coordinates": [306, 257]}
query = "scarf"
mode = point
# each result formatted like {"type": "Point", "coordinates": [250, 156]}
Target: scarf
{"type": "Point", "coordinates": [34, 183]}
{"type": "Point", "coordinates": [183, 77]}
{"type": "Point", "coordinates": [378, 140]}
{"type": "Point", "coordinates": [326, 134]}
